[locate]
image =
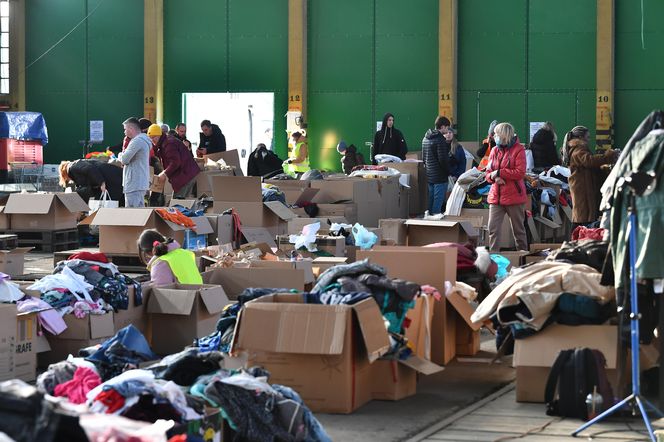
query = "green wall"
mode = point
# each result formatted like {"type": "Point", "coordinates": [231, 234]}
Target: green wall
{"type": "Point", "coordinates": [518, 60]}
{"type": "Point", "coordinates": [96, 73]}
{"type": "Point", "coordinates": [226, 46]}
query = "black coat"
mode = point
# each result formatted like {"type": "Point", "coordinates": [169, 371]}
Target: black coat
{"type": "Point", "coordinates": [263, 162]}
{"type": "Point", "coordinates": [544, 150]}
{"type": "Point", "coordinates": [88, 176]}
{"type": "Point", "coordinates": [215, 142]}
{"type": "Point", "coordinates": [389, 141]}
{"type": "Point", "coordinates": [436, 152]}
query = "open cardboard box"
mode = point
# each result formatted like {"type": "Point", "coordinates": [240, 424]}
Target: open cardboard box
{"type": "Point", "coordinates": [326, 353]}
{"type": "Point", "coordinates": [334, 245]}
{"type": "Point", "coordinates": [422, 232]}
{"type": "Point", "coordinates": [120, 228]}
{"type": "Point", "coordinates": [534, 356]}
{"type": "Point", "coordinates": [431, 266]}
{"type": "Point", "coordinates": [12, 262]}
{"type": "Point", "coordinates": [235, 280]}
{"type": "Point", "coordinates": [204, 180]}
{"type": "Point", "coordinates": [296, 225]}
{"type": "Point", "coordinates": [44, 211]}
{"type": "Point", "coordinates": [419, 188]}
{"type": "Point", "coordinates": [135, 314]}
{"type": "Point", "coordinates": [182, 313]}
{"type": "Point", "coordinates": [244, 195]}
{"type": "Point", "coordinates": [230, 157]}
{"type": "Point", "coordinates": [394, 229]}
{"type": "Point", "coordinates": [467, 332]}
{"type": "Point", "coordinates": [306, 265]}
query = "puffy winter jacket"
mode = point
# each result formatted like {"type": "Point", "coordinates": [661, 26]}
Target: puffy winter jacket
{"type": "Point", "coordinates": [435, 150]}
{"type": "Point", "coordinates": [510, 162]}
{"type": "Point", "coordinates": [179, 164]}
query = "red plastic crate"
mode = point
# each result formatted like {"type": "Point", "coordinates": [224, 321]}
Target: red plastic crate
{"type": "Point", "coordinates": [20, 151]}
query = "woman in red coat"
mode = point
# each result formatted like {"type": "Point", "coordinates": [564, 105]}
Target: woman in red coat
{"type": "Point", "coordinates": [506, 171]}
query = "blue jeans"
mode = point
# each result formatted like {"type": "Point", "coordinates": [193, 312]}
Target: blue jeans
{"type": "Point", "coordinates": [437, 193]}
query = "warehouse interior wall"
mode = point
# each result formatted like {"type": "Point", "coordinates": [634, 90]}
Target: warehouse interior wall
{"type": "Point", "coordinates": [518, 60]}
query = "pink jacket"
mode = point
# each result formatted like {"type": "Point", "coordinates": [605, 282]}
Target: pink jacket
{"type": "Point", "coordinates": [510, 162]}
{"type": "Point", "coordinates": [160, 271]}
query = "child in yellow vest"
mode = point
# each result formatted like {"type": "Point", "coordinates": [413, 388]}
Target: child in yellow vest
{"type": "Point", "coordinates": [168, 263]}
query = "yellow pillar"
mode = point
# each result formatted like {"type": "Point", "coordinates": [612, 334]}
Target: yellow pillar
{"type": "Point", "coordinates": [17, 55]}
{"type": "Point", "coordinates": [447, 59]}
{"type": "Point", "coordinates": [153, 59]}
{"type": "Point", "coordinates": [297, 62]}
{"type": "Point", "coordinates": [605, 71]}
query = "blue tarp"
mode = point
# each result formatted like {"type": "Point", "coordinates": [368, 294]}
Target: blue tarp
{"type": "Point", "coordinates": [23, 126]}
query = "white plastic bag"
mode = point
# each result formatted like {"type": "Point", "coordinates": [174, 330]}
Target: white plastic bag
{"type": "Point", "coordinates": [104, 202]}
{"type": "Point", "coordinates": [307, 238]}
{"type": "Point", "coordinates": [363, 238]}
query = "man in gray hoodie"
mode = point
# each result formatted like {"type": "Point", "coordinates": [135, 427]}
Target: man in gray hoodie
{"type": "Point", "coordinates": [136, 161]}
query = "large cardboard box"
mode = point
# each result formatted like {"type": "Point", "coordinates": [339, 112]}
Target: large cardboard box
{"type": "Point", "coordinates": [334, 245]}
{"type": "Point", "coordinates": [61, 348]}
{"type": "Point", "coordinates": [305, 265]}
{"type": "Point", "coordinates": [392, 381]}
{"type": "Point", "coordinates": [467, 332]}
{"type": "Point", "coordinates": [89, 327]}
{"type": "Point", "coordinates": [244, 195]}
{"type": "Point", "coordinates": [181, 313]}
{"type": "Point", "coordinates": [423, 232]}
{"type": "Point", "coordinates": [135, 315]}
{"type": "Point", "coordinates": [323, 352]}
{"type": "Point", "coordinates": [12, 262]}
{"type": "Point", "coordinates": [419, 188]}
{"type": "Point", "coordinates": [535, 355]}
{"type": "Point", "coordinates": [296, 225]}
{"type": "Point", "coordinates": [204, 181]}
{"type": "Point", "coordinates": [235, 281]}
{"type": "Point", "coordinates": [230, 157]}
{"type": "Point", "coordinates": [364, 193]}
{"type": "Point", "coordinates": [418, 332]}
{"type": "Point", "coordinates": [120, 228]}
{"type": "Point", "coordinates": [433, 266]}
{"type": "Point", "coordinates": [7, 341]}
{"type": "Point", "coordinates": [395, 230]}
{"type": "Point", "coordinates": [44, 211]}
{"type": "Point", "coordinates": [28, 344]}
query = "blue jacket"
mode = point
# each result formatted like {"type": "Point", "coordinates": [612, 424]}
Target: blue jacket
{"type": "Point", "coordinates": [457, 162]}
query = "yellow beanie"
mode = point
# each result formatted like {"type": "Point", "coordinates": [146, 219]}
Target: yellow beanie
{"type": "Point", "coordinates": [154, 130]}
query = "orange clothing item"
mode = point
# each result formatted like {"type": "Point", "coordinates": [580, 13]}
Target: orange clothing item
{"type": "Point", "coordinates": [176, 217]}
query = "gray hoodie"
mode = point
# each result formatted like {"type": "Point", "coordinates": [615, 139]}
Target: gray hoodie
{"type": "Point", "coordinates": [136, 161]}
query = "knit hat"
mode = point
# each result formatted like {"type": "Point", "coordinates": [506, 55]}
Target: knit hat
{"type": "Point", "coordinates": [341, 147]}
{"type": "Point", "coordinates": [154, 130]}
{"type": "Point", "coordinates": [492, 126]}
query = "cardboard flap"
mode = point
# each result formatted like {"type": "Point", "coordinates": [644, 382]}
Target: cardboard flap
{"type": "Point", "coordinates": [134, 217]}
{"type": "Point", "coordinates": [464, 309]}
{"type": "Point", "coordinates": [73, 202]}
{"type": "Point", "coordinates": [171, 301]}
{"type": "Point", "coordinates": [466, 225]}
{"type": "Point", "coordinates": [279, 209]}
{"type": "Point", "coordinates": [373, 329]}
{"type": "Point", "coordinates": [421, 365]}
{"type": "Point", "coordinates": [16, 251]}
{"type": "Point", "coordinates": [292, 327]}
{"type": "Point", "coordinates": [88, 219]}
{"type": "Point", "coordinates": [214, 299]}
{"type": "Point", "coordinates": [2, 209]}
{"type": "Point", "coordinates": [237, 189]}
{"type": "Point", "coordinates": [230, 157]}
{"type": "Point", "coordinates": [29, 203]}
{"type": "Point", "coordinates": [306, 196]}
{"type": "Point", "coordinates": [203, 226]}
{"type": "Point", "coordinates": [259, 235]}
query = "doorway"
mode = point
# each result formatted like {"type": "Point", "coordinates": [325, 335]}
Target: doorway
{"type": "Point", "coordinates": [245, 119]}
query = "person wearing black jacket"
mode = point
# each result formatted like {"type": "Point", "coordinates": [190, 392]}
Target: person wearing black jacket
{"type": "Point", "coordinates": [389, 140]}
{"type": "Point", "coordinates": [92, 177]}
{"type": "Point", "coordinates": [263, 162]}
{"type": "Point", "coordinates": [212, 140]}
{"type": "Point", "coordinates": [543, 147]}
{"type": "Point", "coordinates": [436, 151]}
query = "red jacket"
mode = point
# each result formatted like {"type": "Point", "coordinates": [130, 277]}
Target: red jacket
{"type": "Point", "coordinates": [510, 162]}
{"type": "Point", "coordinates": [179, 164]}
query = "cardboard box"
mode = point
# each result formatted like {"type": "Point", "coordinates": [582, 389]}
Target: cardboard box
{"type": "Point", "coordinates": [514, 257]}
{"type": "Point", "coordinates": [28, 344]}
{"type": "Point", "coordinates": [467, 332]}
{"type": "Point", "coordinates": [120, 228]}
{"type": "Point", "coordinates": [305, 265]}
{"type": "Point", "coordinates": [230, 157]}
{"type": "Point", "coordinates": [44, 211]}
{"type": "Point", "coordinates": [244, 195]}
{"type": "Point", "coordinates": [394, 229]}
{"type": "Point", "coordinates": [12, 262]}
{"type": "Point", "coordinates": [296, 225]}
{"type": "Point", "coordinates": [364, 193]}
{"type": "Point", "coordinates": [7, 341]}
{"type": "Point", "coordinates": [290, 185]}
{"type": "Point", "coordinates": [234, 281]}
{"type": "Point", "coordinates": [181, 313]}
{"type": "Point", "coordinates": [391, 381]}
{"type": "Point", "coordinates": [204, 181]}
{"type": "Point", "coordinates": [431, 266]}
{"type": "Point", "coordinates": [334, 245]}
{"type": "Point", "coordinates": [535, 355]}
{"type": "Point", "coordinates": [419, 187]}
{"type": "Point", "coordinates": [5, 223]}
{"type": "Point", "coordinates": [324, 263]}
{"type": "Point", "coordinates": [312, 349]}
{"type": "Point", "coordinates": [135, 315]}
{"type": "Point", "coordinates": [423, 232]}
{"type": "Point", "coordinates": [90, 327]}
{"type": "Point", "coordinates": [418, 332]}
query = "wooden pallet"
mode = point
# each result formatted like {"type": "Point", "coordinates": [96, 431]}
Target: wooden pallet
{"type": "Point", "coordinates": [126, 263]}
{"type": "Point", "coordinates": [48, 241]}
{"type": "Point", "coordinates": [8, 242]}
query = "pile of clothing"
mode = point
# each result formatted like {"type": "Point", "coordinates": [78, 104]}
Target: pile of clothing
{"type": "Point", "coordinates": [273, 193]}
{"type": "Point", "coordinates": [470, 191]}
{"type": "Point", "coordinates": [86, 283]}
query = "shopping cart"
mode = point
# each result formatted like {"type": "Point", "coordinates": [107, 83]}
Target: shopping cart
{"type": "Point", "coordinates": [27, 173]}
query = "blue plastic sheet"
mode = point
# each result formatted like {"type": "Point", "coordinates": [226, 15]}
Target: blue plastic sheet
{"type": "Point", "coordinates": [23, 126]}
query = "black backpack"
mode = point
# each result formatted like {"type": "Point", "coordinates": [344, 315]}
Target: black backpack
{"type": "Point", "coordinates": [574, 375]}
